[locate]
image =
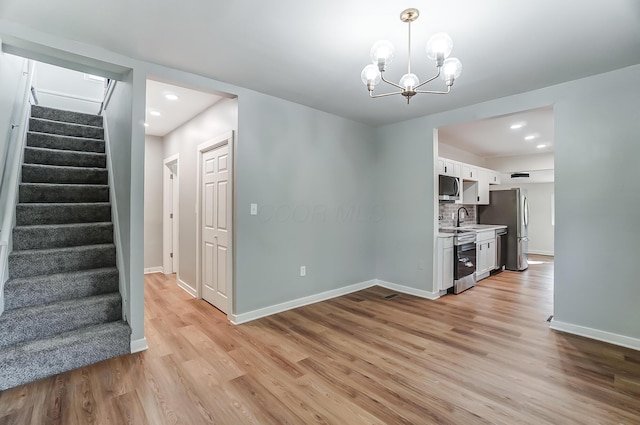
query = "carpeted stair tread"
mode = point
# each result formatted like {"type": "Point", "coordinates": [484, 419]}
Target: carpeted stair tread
{"type": "Point", "coordinates": [35, 290]}
{"type": "Point", "coordinates": [47, 192]}
{"type": "Point", "coordinates": [62, 213]}
{"type": "Point", "coordinates": [66, 116]}
{"type": "Point", "coordinates": [36, 262]}
{"type": "Point", "coordinates": [61, 157]}
{"type": "Point", "coordinates": [43, 321]}
{"type": "Point", "coordinates": [40, 173]}
{"type": "Point", "coordinates": [69, 143]}
{"type": "Point", "coordinates": [34, 360]}
{"type": "Point", "coordinates": [66, 129]}
{"type": "Point", "coordinates": [43, 236]}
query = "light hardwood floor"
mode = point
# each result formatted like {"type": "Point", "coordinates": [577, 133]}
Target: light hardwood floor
{"type": "Point", "coordinates": [484, 356]}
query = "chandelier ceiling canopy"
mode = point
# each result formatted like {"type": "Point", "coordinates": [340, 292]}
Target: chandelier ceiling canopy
{"type": "Point", "coordinates": [438, 49]}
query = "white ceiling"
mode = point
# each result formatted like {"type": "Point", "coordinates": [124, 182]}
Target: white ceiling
{"type": "Point", "coordinates": [173, 113]}
{"type": "Point", "coordinates": [494, 137]}
{"type": "Point", "coordinates": [312, 52]}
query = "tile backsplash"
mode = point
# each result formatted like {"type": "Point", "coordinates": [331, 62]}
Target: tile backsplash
{"type": "Point", "coordinates": [446, 210]}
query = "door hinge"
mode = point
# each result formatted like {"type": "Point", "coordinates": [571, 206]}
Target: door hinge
{"type": "Point", "coordinates": [171, 215]}
{"type": "Point", "coordinates": [171, 176]}
{"type": "Point", "coordinates": [171, 255]}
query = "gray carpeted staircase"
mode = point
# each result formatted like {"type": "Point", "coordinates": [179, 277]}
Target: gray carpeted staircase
{"type": "Point", "coordinates": [62, 305]}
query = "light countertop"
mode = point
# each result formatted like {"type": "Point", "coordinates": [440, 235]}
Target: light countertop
{"type": "Point", "coordinates": [472, 227]}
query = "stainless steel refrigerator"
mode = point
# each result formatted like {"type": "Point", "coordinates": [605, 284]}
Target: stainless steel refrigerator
{"type": "Point", "coordinates": [510, 207]}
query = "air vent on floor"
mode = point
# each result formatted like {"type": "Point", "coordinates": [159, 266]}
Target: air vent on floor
{"type": "Point", "coordinates": [390, 296]}
{"type": "Point", "coordinates": [550, 318]}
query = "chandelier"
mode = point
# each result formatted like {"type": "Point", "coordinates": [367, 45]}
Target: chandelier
{"type": "Point", "coordinates": [439, 48]}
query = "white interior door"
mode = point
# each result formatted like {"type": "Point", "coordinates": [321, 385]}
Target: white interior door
{"type": "Point", "coordinates": [215, 205]}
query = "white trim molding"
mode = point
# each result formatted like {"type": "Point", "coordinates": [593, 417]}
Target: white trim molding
{"type": "Point", "coordinates": [237, 319]}
{"type": "Point", "coordinates": [408, 290]}
{"type": "Point", "coordinates": [604, 336]}
{"type": "Point", "coordinates": [139, 345]}
{"type": "Point", "coordinates": [187, 288]}
{"type": "Point", "coordinates": [537, 252]}
{"type": "Point", "coordinates": [158, 269]}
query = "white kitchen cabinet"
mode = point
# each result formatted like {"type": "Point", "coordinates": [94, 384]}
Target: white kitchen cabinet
{"type": "Point", "coordinates": [485, 253]}
{"type": "Point", "coordinates": [448, 167]}
{"type": "Point", "coordinates": [469, 172]}
{"type": "Point", "coordinates": [494, 177]}
{"type": "Point", "coordinates": [445, 263]}
{"type": "Point", "coordinates": [483, 187]}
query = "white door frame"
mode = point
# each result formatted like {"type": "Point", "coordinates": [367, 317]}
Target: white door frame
{"type": "Point", "coordinates": [169, 243]}
{"type": "Point", "coordinates": [224, 139]}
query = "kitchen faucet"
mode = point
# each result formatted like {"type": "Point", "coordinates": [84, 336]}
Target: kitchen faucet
{"type": "Point", "coordinates": [466, 214]}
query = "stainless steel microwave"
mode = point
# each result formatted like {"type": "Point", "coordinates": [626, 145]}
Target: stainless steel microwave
{"type": "Point", "coordinates": [449, 189]}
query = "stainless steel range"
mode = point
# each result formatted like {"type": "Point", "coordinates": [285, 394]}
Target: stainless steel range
{"type": "Point", "coordinates": [464, 267]}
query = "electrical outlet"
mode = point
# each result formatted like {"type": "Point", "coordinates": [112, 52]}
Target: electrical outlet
{"type": "Point", "coordinates": [453, 216]}
{"type": "Point", "coordinates": [303, 270]}
{"type": "Point", "coordinates": [254, 209]}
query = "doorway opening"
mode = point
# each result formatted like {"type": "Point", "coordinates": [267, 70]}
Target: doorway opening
{"type": "Point", "coordinates": [513, 152]}
{"type": "Point", "coordinates": [170, 216]}
{"type": "Point", "coordinates": [180, 118]}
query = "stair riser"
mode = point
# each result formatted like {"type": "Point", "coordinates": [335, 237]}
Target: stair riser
{"type": "Point", "coordinates": [60, 287]}
{"type": "Point", "coordinates": [62, 194]}
{"type": "Point", "coordinates": [28, 328]}
{"type": "Point", "coordinates": [65, 129]}
{"type": "Point", "coordinates": [30, 263]}
{"type": "Point", "coordinates": [50, 141]}
{"type": "Point", "coordinates": [64, 158]}
{"type": "Point", "coordinates": [44, 174]}
{"type": "Point", "coordinates": [35, 361]}
{"type": "Point", "coordinates": [59, 237]}
{"type": "Point", "coordinates": [33, 214]}
{"type": "Point", "coordinates": [65, 116]}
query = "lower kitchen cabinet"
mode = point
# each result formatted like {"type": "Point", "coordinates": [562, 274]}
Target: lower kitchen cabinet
{"type": "Point", "coordinates": [485, 253]}
{"type": "Point", "coordinates": [445, 263]}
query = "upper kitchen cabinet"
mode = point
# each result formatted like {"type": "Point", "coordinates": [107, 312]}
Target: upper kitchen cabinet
{"type": "Point", "coordinates": [469, 172]}
{"type": "Point", "coordinates": [448, 167]}
{"type": "Point", "coordinates": [494, 177]}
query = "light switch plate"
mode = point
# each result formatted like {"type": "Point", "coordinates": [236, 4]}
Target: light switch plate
{"type": "Point", "coordinates": [254, 209]}
{"type": "Point", "coordinates": [303, 270]}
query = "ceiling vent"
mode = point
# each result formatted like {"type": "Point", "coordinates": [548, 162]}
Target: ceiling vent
{"type": "Point", "coordinates": [519, 175]}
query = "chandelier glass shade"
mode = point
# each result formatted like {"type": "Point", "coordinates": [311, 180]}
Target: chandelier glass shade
{"type": "Point", "coordinates": [438, 49]}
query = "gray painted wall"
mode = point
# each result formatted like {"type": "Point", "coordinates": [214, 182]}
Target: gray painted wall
{"type": "Point", "coordinates": [404, 238]}
{"type": "Point", "coordinates": [215, 121]}
{"type": "Point", "coordinates": [153, 163]}
{"type": "Point", "coordinates": [118, 128]}
{"type": "Point", "coordinates": [597, 123]}
{"type": "Point", "coordinates": [312, 175]}
{"type": "Point", "coordinates": [12, 89]}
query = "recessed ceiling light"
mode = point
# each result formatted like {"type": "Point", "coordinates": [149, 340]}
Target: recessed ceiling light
{"type": "Point", "coordinates": [146, 124]}
{"type": "Point", "coordinates": [530, 137]}
{"type": "Point", "coordinates": [516, 126]}
{"type": "Point", "coordinates": [541, 146]}
{"type": "Point", "coordinates": [154, 113]}
{"type": "Point", "coordinates": [170, 96]}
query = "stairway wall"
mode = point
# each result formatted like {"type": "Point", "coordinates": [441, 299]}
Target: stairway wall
{"type": "Point", "coordinates": [14, 104]}
{"type": "Point", "coordinates": [123, 124]}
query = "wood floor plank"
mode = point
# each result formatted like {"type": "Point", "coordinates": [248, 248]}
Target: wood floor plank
{"type": "Point", "coordinates": [486, 356]}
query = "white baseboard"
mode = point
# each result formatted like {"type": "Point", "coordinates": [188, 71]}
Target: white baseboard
{"type": "Point", "coordinates": [188, 289]}
{"type": "Point", "coordinates": [408, 290]}
{"type": "Point", "coordinates": [611, 338]}
{"type": "Point", "coordinates": [139, 345]}
{"type": "Point", "coordinates": [536, 252]}
{"type": "Point", "coordinates": [158, 269]}
{"type": "Point", "coordinates": [237, 319]}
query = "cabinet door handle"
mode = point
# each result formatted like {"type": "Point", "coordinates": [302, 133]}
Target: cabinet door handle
{"type": "Point", "coordinates": [478, 199]}
{"type": "Point", "coordinates": [445, 168]}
